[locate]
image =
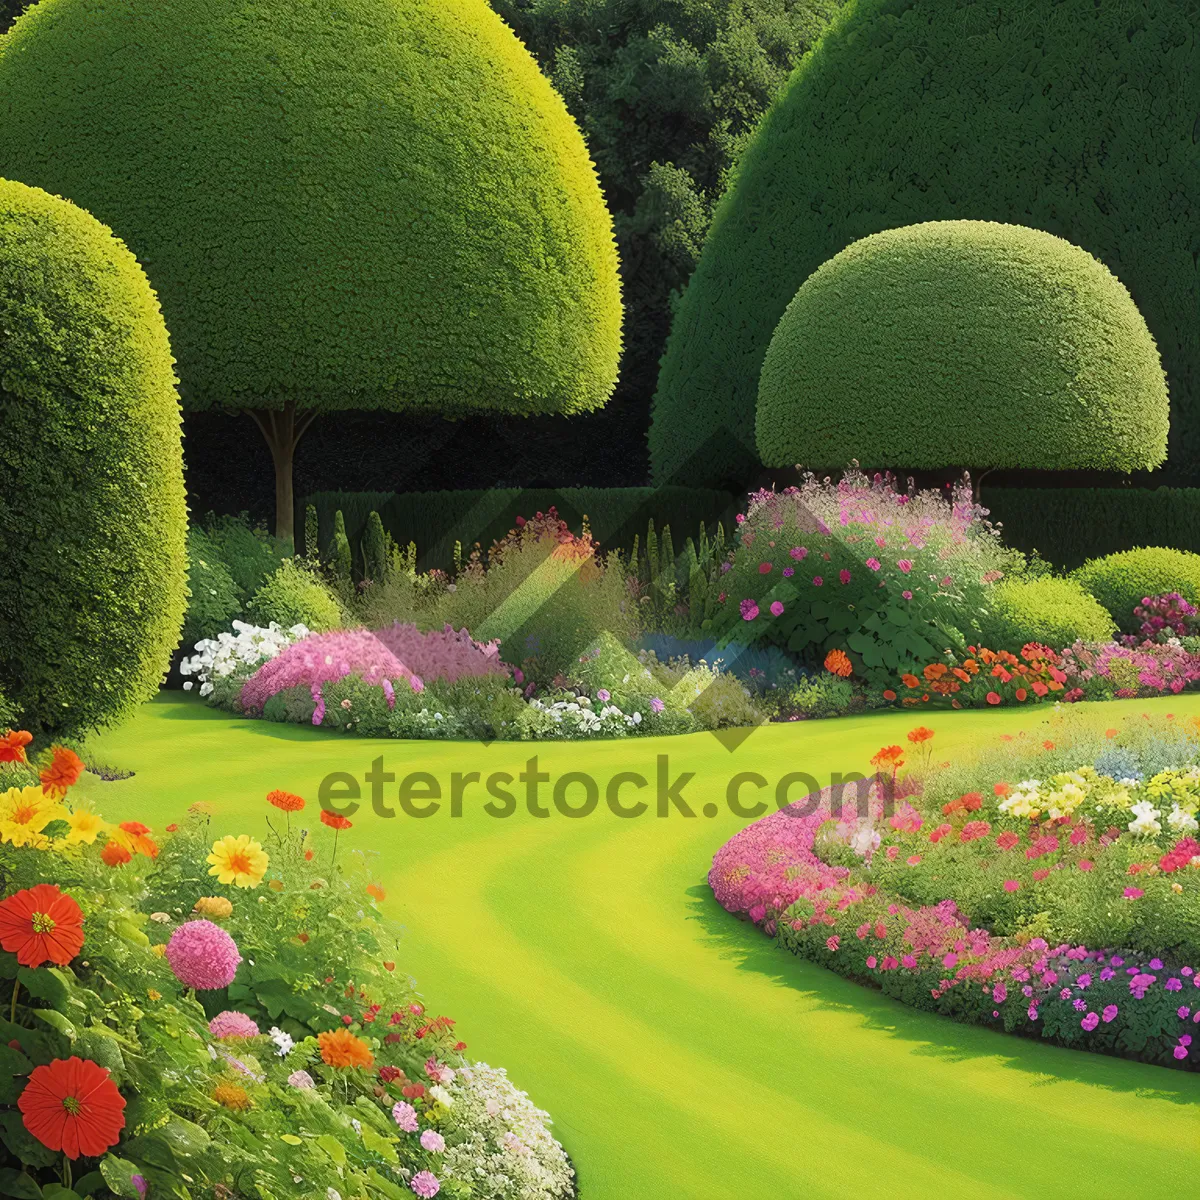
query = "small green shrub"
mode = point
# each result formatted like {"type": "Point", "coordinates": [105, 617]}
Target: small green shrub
{"type": "Point", "coordinates": [1122, 581]}
{"type": "Point", "coordinates": [93, 519]}
{"type": "Point", "coordinates": [341, 560]}
{"type": "Point", "coordinates": [295, 596]}
{"type": "Point", "coordinates": [1052, 612]}
{"type": "Point", "coordinates": [249, 552]}
{"type": "Point", "coordinates": [375, 550]}
{"type": "Point", "coordinates": [213, 597]}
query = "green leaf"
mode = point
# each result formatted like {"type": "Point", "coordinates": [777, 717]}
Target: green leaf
{"type": "Point", "coordinates": [46, 983]}
{"type": "Point", "coordinates": [90, 1183]}
{"type": "Point", "coordinates": [118, 1175]}
{"type": "Point", "coordinates": [20, 1143]}
{"type": "Point", "coordinates": [57, 1021]}
{"type": "Point", "coordinates": [56, 1191]}
{"type": "Point", "coordinates": [19, 1185]}
{"type": "Point", "coordinates": [333, 1148]}
{"type": "Point", "coordinates": [378, 1144]}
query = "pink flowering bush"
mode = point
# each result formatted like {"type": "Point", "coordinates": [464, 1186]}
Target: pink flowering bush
{"type": "Point", "coordinates": [888, 576]}
{"type": "Point", "coordinates": [1063, 905]}
{"type": "Point", "coordinates": [1128, 671]}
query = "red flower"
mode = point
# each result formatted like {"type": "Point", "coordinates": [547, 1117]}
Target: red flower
{"type": "Point", "coordinates": [919, 735]}
{"type": "Point", "coordinates": [114, 856]}
{"type": "Point", "coordinates": [72, 1105]}
{"type": "Point", "coordinates": [334, 820]}
{"type": "Point", "coordinates": [41, 924]}
{"type": "Point", "coordinates": [993, 697]}
{"type": "Point", "coordinates": [12, 745]}
{"type": "Point", "coordinates": [285, 801]}
{"type": "Point", "coordinates": [63, 772]}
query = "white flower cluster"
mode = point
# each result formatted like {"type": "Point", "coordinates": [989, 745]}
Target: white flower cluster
{"type": "Point", "coordinates": [581, 720]}
{"type": "Point", "coordinates": [240, 652]}
{"type": "Point", "coordinates": [499, 1143]}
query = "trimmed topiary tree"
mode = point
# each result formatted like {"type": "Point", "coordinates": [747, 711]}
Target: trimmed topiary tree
{"type": "Point", "coordinates": [380, 205]}
{"type": "Point", "coordinates": [1073, 117]}
{"type": "Point", "coordinates": [92, 513]}
{"type": "Point", "coordinates": [1122, 581]}
{"type": "Point", "coordinates": [1052, 612]}
{"type": "Point", "coordinates": [962, 343]}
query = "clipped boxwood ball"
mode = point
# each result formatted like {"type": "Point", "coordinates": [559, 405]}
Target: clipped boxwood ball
{"type": "Point", "coordinates": [1122, 581]}
{"type": "Point", "coordinates": [1052, 612]}
{"type": "Point", "coordinates": [359, 205]}
{"type": "Point", "coordinates": [92, 513]}
{"type": "Point", "coordinates": [1073, 116]}
{"type": "Point", "coordinates": [963, 343]}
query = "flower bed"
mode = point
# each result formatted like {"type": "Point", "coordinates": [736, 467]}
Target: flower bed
{"type": "Point", "coordinates": [222, 1017]}
{"type": "Point", "coordinates": [1050, 887]}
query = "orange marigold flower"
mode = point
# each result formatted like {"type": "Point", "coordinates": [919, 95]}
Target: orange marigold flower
{"type": "Point", "coordinates": [888, 756]}
{"type": "Point", "coordinates": [334, 820]}
{"type": "Point", "coordinates": [340, 1048]}
{"type": "Point", "coordinates": [133, 836]}
{"type": "Point", "coordinates": [921, 734]}
{"type": "Point", "coordinates": [230, 1095]}
{"type": "Point", "coordinates": [837, 662]}
{"type": "Point", "coordinates": [285, 801]}
{"type": "Point", "coordinates": [12, 745]}
{"type": "Point", "coordinates": [910, 681]}
{"type": "Point", "coordinates": [934, 671]}
{"type": "Point", "coordinates": [63, 772]}
{"type": "Point", "coordinates": [376, 892]}
{"type": "Point", "coordinates": [114, 855]}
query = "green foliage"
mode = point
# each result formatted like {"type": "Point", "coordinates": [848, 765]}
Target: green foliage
{"type": "Point", "coordinates": [919, 110]}
{"type": "Point", "coordinates": [214, 600]}
{"type": "Point", "coordinates": [666, 95]}
{"type": "Point", "coordinates": [1121, 581]}
{"type": "Point", "coordinates": [341, 560]}
{"type": "Point", "coordinates": [312, 549]}
{"type": "Point", "coordinates": [294, 595]}
{"type": "Point", "coordinates": [1071, 525]}
{"type": "Point", "coordinates": [92, 510]}
{"type": "Point", "coordinates": [258, 161]}
{"type": "Point", "coordinates": [250, 552]}
{"type": "Point", "coordinates": [962, 343]}
{"type": "Point", "coordinates": [1052, 612]}
{"type": "Point", "coordinates": [374, 550]}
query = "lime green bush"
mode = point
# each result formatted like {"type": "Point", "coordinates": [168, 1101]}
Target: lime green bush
{"type": "Point", "coordinates": [249, 552]}
{"type": "Point", "coordinates": [963, 343]}
{"type": "Point", "coordinates": [1121, 581]}
{"type": "Point", "coordinates": [213, 598]}
{"type": "Point", "coordinates": [1073, 117]}
{"type": "Point", "coordinates": [92, 510]}
{"type": "Point", "coordinates": [1050, 611]}
{"type": "Point", "coordinates": [294, 595]}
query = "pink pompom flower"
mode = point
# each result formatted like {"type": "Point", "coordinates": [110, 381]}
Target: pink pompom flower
{"type": "Point", "coordinates": [231, 1024]}
{"type": "Point", "coordinates": [202, 955]}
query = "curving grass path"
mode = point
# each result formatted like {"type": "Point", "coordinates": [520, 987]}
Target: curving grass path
{"type": "Point", "coordinates": [681, 1054]}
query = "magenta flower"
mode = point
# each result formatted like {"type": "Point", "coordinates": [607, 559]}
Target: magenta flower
{"type": "Point", "coordinates": [748, 609]}
{"type": "Point", "coordinates": [844, 575]}
{"type": "Point", "coordinates": [1090, 1022]}
{"type": "Point", "coordinates": [905, 564]}
{"type": "Point", "coordinates": [799, 552]}
{"type": "Point", "coordinates": [906, 595]}
{"type": "Point", "coordinates": [1132, 893]}
{"type": "Point", "coordinates": [1109, 1013]}
{"type": "Point", "coordinates": [873, 564]}
{"type": "Point", "coordinates": [817, 581]}
{"type": "Point", "coordinates": [788, 572]}
{"type": "Point", "coordinates": [202, 955]}
{"type": "Point", "coordinates": [777, 608]}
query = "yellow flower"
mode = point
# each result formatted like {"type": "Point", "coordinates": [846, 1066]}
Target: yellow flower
{"type": "Point", "coordinates": [24, 813]}
{"type": "Point", "coordinates": [85, 826]}
{"type": "Point", "coordinates": [238, 860]}
{"type": "Point", "coordinates": [154, 994]}
{"type": "Point", "coordinates": [213, 906]}
{"type": "Point", "coordinates": [231, 1096]}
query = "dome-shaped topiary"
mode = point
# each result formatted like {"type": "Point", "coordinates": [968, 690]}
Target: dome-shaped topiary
{"type": "Point", "coordinates": [379, 204]}
{"type": "Point", "coordinates": [1052, 612]}
{"type": "Point", "coordinates": [1122, 581]}
{"type": "Point", "coordinates": [962, 343]}
{"type": "Point", "coordinates": [92, 511]}
{"type": "Point", "coordinates": [1073, 117]}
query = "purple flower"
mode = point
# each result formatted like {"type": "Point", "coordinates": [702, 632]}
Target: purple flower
{"type": "Point", "coordinates": [1090, 1022]}
{"type": "Point", "coordinates": [1084, 980]}
{"type": "Point", "coordinates": [777, 608]}
{"type": "Point", "coordinates": [139, 1182]}
{"type": "Point", "coordinates": [604, 695]}
{"type": "Point", "coordinates": [749, 609]}
{"type": "Point", "coordinates": [1156, 964]}
{"type": "Point", "coordinates": [1109, 1013]}
{"type": "Point", "coordinates": [1032, 1012]}
{"type": "Point", "coordinates": [656, 705]}
{"type": "Point", "coordinates": [788, 572]}
{"type": "Point", "coordinates": [1180, 1052]}
{"type": "Point", "coordinates": [999, 993]}
{"type": "Point", "coordinates": [1173, 985]}
{"type": "Point", "coordinates": [1183, 1012]}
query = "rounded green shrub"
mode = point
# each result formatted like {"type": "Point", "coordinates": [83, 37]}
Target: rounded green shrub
{"type": "Point", "coordinates": [92, 510]}
{"type": "Point", "coordinates": [213, 596]}
{"type": "Point", "coordinates": [1051, 611]}
{"type": "Point", "coordinates": [376, 204]}
{"type": "Point", "coordinates": [962, 343]}
{"type": "Point", "coordinates": [249, 552]}
{"type": "Point", "coordinates": [1074, 117]}
{"type": "Point", "coordinates": [293, 595]}
{"type": "Point", "coordinates": [1122, 581]}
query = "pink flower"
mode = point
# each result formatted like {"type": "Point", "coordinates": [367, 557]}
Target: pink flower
{"type": "Point", "coordinates": [799, 552]}
{"type": "Point", "coordinates": [405, 1116]}
{"type": "Point", "coordinates": [817, 581]}
{"type": "Point", "coordinates": [764, 568]}
{"type": "Point", "coordinates": [1085, 864]}
{"type": "Point", "coordinates": [873, 564]}
{"type": "Point", "coordinates": [425, 1184]}
{"type": "Point", "coordinates": [789, 572]}
{"type": "Point", "coordinates": [437, 1072]}
{"type": "Point", "coordinates": [656, 705]}
{"type": "Point", "coordinates": [749, 609]}
{"type": "Point", "coordinates": [906, 595]}
{"type": "Point", "coordinates": [844, 575]}
{"type": "Point", "coordinates": [202, 955]}
{"type": "Point", "coordinates": [230, 1024]}
{"type": "Point", "coordinates": [777, 608]}
{"type": "Point", "coordinates": [871, 960]}
{"type": "Point", "coordinates": [1132, 893]}
{"type": "Point", "coordinates": [1012, 885]}
{"type": "Point", "coordinates": [1090, 1022]}
{"type": "Point", "coordinates": [433, 1141]}
{"type": "Point", "coordinates": [832, 943]}
{"type": "Point", "coordinates": [905, 564]}
{"type": "Point", "coordinates": [300, 1079]}
{"type": "Point", "coordinates": [603, 695]}
{"type": "Point", "coordinates": [1109, 1013]}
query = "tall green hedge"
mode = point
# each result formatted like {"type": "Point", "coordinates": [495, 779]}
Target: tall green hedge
{"type": "Point", "coordinates": [92, 512]}
{"type": "Point", "coordinates": [1067, 526]}
{"type": "Point", "coordinates": [436, 520]}
{"type": "Point", "coordinates": [965, 343]}
{"type": "Point", "coordinates": [1075, 117]}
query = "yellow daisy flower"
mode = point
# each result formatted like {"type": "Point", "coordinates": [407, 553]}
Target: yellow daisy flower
{"type": "Point", "coordinates": [24, 813]}
{"type": "Point", "coordinates": [85, 826]}
{"type": "Point", "coordinates": [238, 860]}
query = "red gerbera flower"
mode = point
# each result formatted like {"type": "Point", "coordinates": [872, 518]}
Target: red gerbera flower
{"type": "Point", "coordinates": [72, 1105]}
{"type": "Point", "coordinates": [41, 924]}
{"type": "Point", "coordinates": [63, 772]}
{"type": "Point", "coordinates": [12, 745]}
{"type": "Point", "coordinates": [334, 820]}
{"type": "Point", "coordinates": [285, 801]}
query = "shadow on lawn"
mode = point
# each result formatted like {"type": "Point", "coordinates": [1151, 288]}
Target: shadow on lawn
{"type": "Point", "coordinates": [930, 1035]}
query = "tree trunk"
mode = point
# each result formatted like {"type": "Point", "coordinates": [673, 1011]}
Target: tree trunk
{"type": "Point", "coordinates": [282, 430]}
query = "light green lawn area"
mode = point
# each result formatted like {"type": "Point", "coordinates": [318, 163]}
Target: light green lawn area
{"type": "Point", "coordinates": [680, 1052]}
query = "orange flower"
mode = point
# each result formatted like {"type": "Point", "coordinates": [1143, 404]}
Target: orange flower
{"type": "Point", "coordinates": [114, 855]}
{"type": "Point", "coordinates": [132, 836]}
{"type": "Point", "coordinates": [72, 1105]}
{"type": "Point", "coordinates": [919, 735]}
{"type": "Point", "coordinates": [1110, 733]}
{"type": "Point", "coordinates": [889, 756]}
{"type": "Point", "coordinates": [285, 801]}
{"type": "Point", "coordinates": [334, 820]}
{"type": "Point", "coordinates": [340, 1048]}
{"type": "Point", "coordinates": [910, 681]}
{"type": "Point", "coordinates": [40, 925]}
{"type": "Point", "coordinates": [934, 671]}
{"type": "Point", "coordinates": [12, 745]}
{"type": "Point", "coordinates": [888, 694]}
{"type": "Point", "coordinates": [376, 892]}
{"type": "Point", "coordinates": [63, 772]}
{"type": "Point", "coordinates": [231, 1096]}
{"type": "Point", "coordinates": [838, 663]}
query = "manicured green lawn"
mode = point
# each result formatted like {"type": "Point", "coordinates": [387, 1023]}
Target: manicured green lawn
{"type": "Point", "coordinates": [681, 1054]}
